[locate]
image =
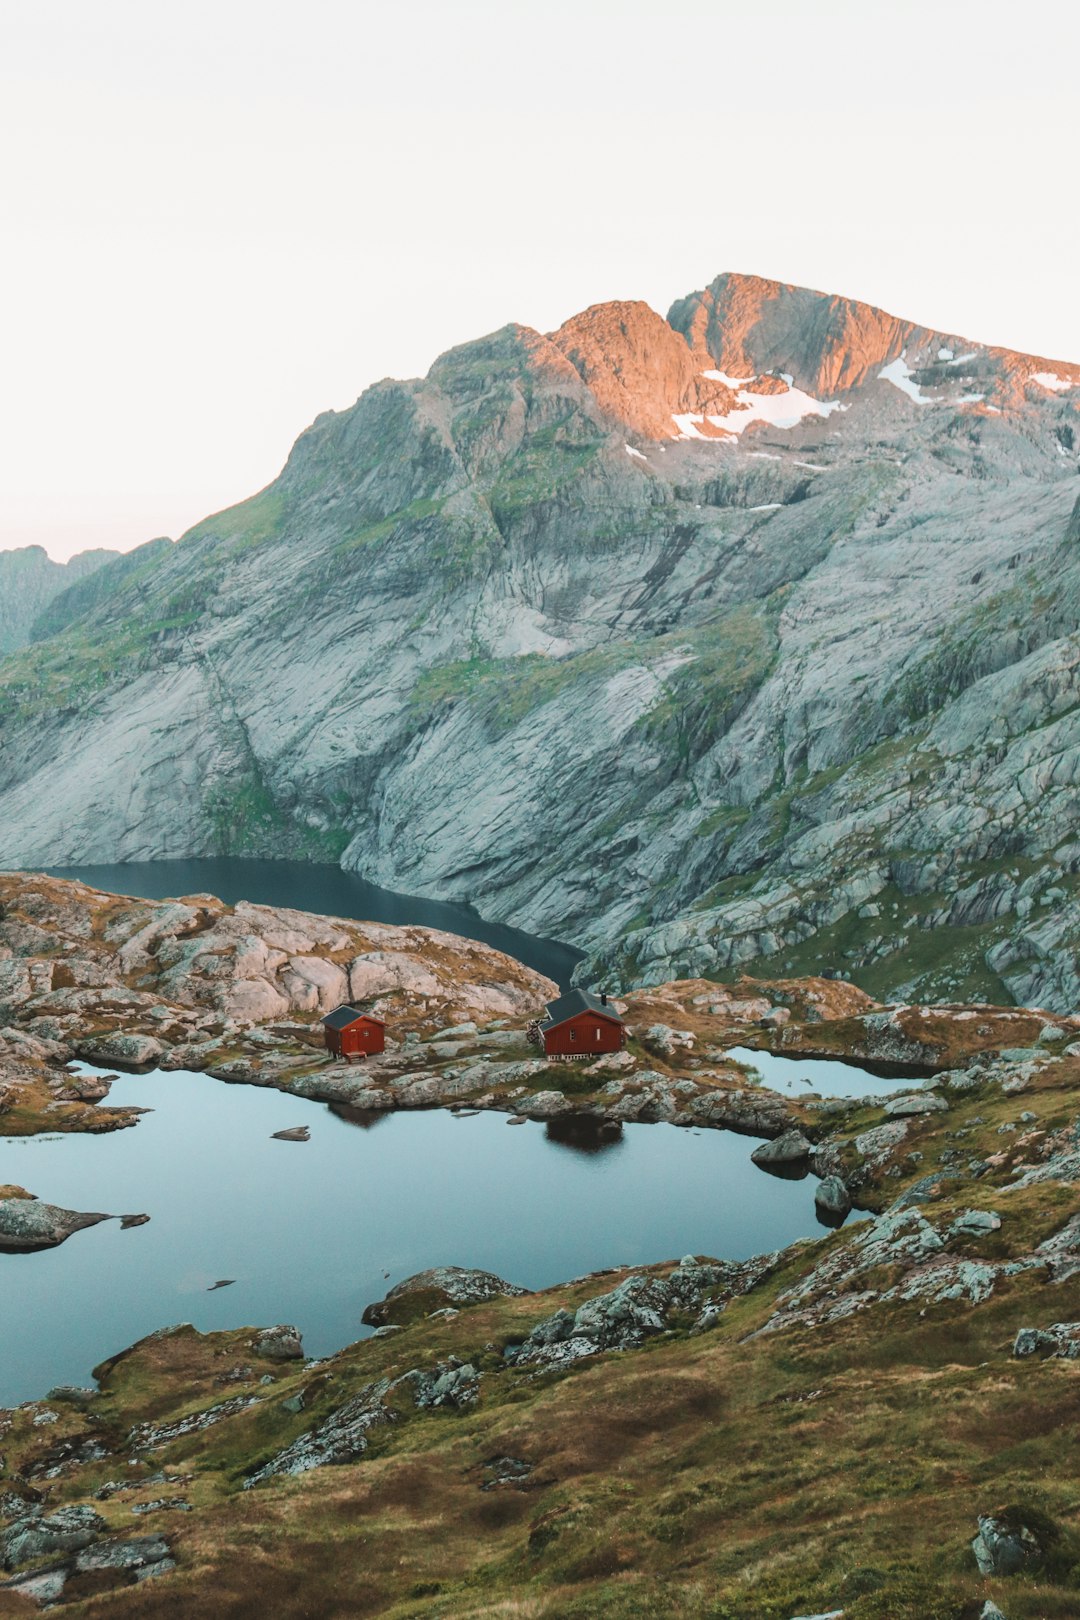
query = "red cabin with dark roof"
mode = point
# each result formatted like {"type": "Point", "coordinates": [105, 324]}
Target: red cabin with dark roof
{"type": "Point", "coordinates": [351, 1033]}
{"type": "Point", "coordinates": [581, 1025]}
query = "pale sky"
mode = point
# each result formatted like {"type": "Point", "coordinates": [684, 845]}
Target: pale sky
{"type": "Point", "coordinates": [221, 217]}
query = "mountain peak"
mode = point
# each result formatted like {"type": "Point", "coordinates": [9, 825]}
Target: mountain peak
{"type": "Point", "coordinates": [685, 376]}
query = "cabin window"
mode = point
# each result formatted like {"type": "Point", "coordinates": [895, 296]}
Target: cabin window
{"type": "Point", "coordinates": [573, 1034]}
{"type": "Point", "coordinates": [598, 1033]}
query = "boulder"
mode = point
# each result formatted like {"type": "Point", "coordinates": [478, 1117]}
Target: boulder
{"type": "Point", "coordinates": [124, 1050]}
{"type": "Point", "coordinates": [281, 1343]}
{"type": "Point", "coordinates": [924, 1102]}
{"type": "Point", "coordinates": [791, 1147]}
{"type": "Point", "coordinates": [431, 1290]}
{"type": "Point", "coordinates": [1004, 1546]}
{"type": "Point", "coordinates": [832, 1199]}
{"type": "Point", "coordinates": [142, 1556]}
{"type": "Point", "coordinates": [545, 1105]}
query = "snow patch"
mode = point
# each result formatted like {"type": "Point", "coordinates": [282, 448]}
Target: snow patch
{"type": "Point", "coordinates": [1050, 379]}
{"type": "Point", "coordinates": [898, 372]}
{"type": "Point", "coordinates": [944, 354]}
{"type": "Point", "coordinates": [770, 506]}
{"type": "Point", "coordinates": [729, 382]}
{"type": "Point", "coordinates": [632, 452]}
{"type": "Point", "coordinates": [764, 455]}
{"type": "Point", "coordinates": [785, 410]}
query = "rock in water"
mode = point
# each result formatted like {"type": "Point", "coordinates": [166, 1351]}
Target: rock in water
{"type": "Point", "coordinates": [832, 1201]}
{"type": "Point", "coordinates": [295, 1133]}
{"type": "Point", "coordinates": [791, 1147]}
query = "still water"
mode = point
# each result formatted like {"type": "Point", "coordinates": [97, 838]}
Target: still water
{"type": "Point", "coordinates": [310, 1230]}
{"type": "Point", "coordinates": [324, 889]}
{"type": "Point", "coordinates": [799, 1077]}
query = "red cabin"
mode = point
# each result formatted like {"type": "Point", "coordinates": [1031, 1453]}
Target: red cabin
{"type": "Point", "coordinates": [581, 1025]}
{"type": "Point", "coordinates": [350, 1033]}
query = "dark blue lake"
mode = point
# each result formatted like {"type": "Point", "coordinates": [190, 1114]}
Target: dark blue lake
{"type": "Point", "coordinates": [324, 889]}
{"type": "Point", "coordinates": [309, 1230]}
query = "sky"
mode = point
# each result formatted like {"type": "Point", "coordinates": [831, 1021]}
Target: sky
{"type": "Point", "coordinates": [219, 219]}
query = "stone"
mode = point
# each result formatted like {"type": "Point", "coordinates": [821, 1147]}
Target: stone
{"type": "Point", "coordinates": [916, 1103]}
{"type": "Point", "coordinates": [127, 1051]}
{"type": "Point", "coordinates": [281, 1343]}
{"type": "Point", "coordinates": [295, 1133]}
{"type": "Point", "coordinates": [1002, 1548]}
{"type": "Point", "coordinates": [831, 1197]}
{"type": "Point", "coordinates": [441, 1285]}
{"type": "Point", "coordinates": [791, 1147]}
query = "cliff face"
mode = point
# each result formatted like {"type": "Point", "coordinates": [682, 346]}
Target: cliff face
{"type": "Point", "coordinates": [745, 637]}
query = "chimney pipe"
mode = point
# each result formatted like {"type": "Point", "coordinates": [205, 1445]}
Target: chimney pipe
{"type": "Point", "coordinates": [603, 998]}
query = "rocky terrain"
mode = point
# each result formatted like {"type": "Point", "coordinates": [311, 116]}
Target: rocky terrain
{"type": "Point", "coordinates": [741, 640]}
{"type": "Point", "coordinates": [749, 1440]}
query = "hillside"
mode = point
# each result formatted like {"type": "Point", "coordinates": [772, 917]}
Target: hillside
{"type": "Point", "coordinates": [743, 639]}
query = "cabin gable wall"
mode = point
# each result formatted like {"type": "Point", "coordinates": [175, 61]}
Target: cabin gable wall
{"type": "Point", "coordinates": [584, 1035]}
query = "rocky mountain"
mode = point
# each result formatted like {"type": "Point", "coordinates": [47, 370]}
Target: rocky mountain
{"type": "Point", "coordinates": [30, 582]}
{"type": "Point", "coordinates": [744, 638]}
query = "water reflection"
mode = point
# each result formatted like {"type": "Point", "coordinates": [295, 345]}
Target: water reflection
{"type": "Point", "coordinates": [826, 1077]}
{"type": "Point", "coordinates": [584, 1133]}
{"type": "Point", "coordinates": [786, 1170]}
{"type": "Point", "coordinates": [365, 1118]}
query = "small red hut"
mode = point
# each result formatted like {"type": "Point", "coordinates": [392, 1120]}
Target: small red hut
{"type": "Point", "coordinates": [350, 1033]}
{"type": "Point", "coordinates": [581, 1025]}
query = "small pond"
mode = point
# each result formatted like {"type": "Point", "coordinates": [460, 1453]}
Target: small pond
{"type": "Point", "coordinates": [312, 1232]}
{"type": "Point", "coordinates": [322, 888]}
{"type": "Point", "coordinates": [828, 1077]}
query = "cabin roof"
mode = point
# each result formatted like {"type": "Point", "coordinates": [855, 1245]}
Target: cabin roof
{"type": "Point", "coordinates": [343, 1017]}
{"type": "Point", "coordinates": [578, 1001]}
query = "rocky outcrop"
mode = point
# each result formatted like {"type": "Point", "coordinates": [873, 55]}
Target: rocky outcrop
{"type": "Point", "coordinates": [26, 1224]}
{"type": "Point", "coordinates": [637, 1308]}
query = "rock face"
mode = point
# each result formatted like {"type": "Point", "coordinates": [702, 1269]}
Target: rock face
{"type": "Point", "coordinates": [750, 621]}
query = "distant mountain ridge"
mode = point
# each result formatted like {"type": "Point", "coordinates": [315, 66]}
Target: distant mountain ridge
{"type": "Point", "coordinates": [745, 637]}
{"type": "Point", "coordinates": [30, 581]}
